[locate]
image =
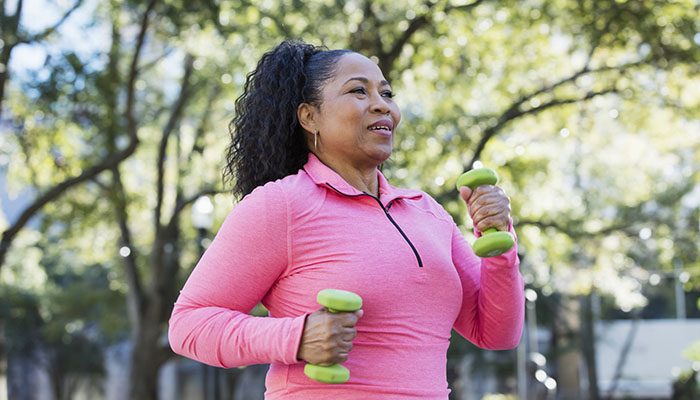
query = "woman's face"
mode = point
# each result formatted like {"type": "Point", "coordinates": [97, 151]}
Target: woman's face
{"type": "Point", "coordinates": [357, 118]}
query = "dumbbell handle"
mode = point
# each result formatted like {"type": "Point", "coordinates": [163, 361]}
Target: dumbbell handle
{"type": "Point", "coordinates": [492, 242]}
{"type": "Point", "coordinates": [334, 300]}
{"type": "Point", "coordinates": [475, 178]}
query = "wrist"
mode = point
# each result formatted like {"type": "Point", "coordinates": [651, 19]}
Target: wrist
{"type": "Point", "coordinates": [299, 356]}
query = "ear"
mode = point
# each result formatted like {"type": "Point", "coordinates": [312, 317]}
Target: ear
{"type": "Point", "coordinates": [305, 114]}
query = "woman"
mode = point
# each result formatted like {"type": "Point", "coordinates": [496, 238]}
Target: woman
{"type": "Point", "coordinates": [310, 131]}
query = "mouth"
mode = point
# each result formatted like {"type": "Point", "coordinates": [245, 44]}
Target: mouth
{"type": "Point", "coordinates": [384, 127]}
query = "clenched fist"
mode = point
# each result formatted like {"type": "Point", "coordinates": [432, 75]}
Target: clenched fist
{"type": "Point", "coordinates": [327, 337]}
{"type": "Point", "coordinates": [489, 207]}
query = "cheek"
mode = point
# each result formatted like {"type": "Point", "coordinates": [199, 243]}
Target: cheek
{"type": "Point", "coordinates": [397, 113]}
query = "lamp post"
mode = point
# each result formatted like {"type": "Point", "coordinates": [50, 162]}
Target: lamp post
{"type": "Point", "coordinates": [529, 353]}
{"type": "Point", "coordinates": [202, 220]}
{"type": "Point", "coordinates": [202, 214]}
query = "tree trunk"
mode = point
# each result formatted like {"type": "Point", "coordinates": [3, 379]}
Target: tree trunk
{"type": "Point", "coordinates": [146, 357]}
{"type": "Point", "coordinates": [3, 359]}
{"type": "Point", "coordinates": [568, 353]}
{"type": "Point", "coordinates": [4, 70]}
{"type": "Point", "coordinates": [588, 345]}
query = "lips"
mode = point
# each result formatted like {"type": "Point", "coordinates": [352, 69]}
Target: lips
{"type": "Point", "coordinates": [384, 127]}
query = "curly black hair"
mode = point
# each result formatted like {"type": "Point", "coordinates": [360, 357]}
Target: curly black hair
{"type": "Point", "coordinates": [267, 141]}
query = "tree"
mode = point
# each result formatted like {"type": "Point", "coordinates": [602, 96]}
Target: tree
{"type": "Point", "coordinates": [561, 97]}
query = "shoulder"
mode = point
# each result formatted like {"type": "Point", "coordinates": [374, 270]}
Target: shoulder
{"type": "Point", "coordinates": [427, 203]}
{"type": "Point", "coordinates": [295, 195]}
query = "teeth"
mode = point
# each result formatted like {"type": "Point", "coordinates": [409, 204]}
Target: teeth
{"type": "Point", "coordinates": [374, 128]}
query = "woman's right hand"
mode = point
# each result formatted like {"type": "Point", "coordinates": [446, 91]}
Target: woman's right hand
{"type": "Point", "coordinates": [327, 337]}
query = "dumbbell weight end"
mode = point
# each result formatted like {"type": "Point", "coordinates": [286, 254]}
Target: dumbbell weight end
{"type": "Point", "coordinates": [492, 242]}
{"type": "Point", "coordinates": [334, 300]}
{"type": "Point", "coordinates": [334, 374]}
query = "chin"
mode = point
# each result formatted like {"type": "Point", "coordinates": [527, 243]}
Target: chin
{"type": "Point", "coordinates": [382, 155]}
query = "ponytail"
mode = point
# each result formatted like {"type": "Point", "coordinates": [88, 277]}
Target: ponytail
{"type": "Point", "coordinates": [267, 141]}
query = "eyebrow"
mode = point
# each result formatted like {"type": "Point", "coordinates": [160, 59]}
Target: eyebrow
{"type": "Point", "coordinates": [365, 80]}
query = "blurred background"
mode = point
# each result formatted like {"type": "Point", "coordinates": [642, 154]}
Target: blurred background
{"type": "Point", "coordinates": [114, 120]}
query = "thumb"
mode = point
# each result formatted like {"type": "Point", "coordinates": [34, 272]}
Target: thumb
{"type": "Point", "coordinates": [465, 192]}
{"type": "Point", "coordinates": [360, 313]}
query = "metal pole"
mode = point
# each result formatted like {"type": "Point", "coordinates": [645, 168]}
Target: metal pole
{"type": "Point", "coordinates": [531, 320]}
{"type": "Point", "coordinates": [680, 293]}
{"type": "Point", "coordinates": [217, 384]}
{"type": "Point", "coordinates": [202, 232]}
{"type": "Point", "coordinates": [532, 327]}
{"type": "Point", "coordinates": [522, 373]}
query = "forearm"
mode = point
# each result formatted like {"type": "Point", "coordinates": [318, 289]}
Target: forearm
{"type": "Point", "coordinates": [501, 303]}
{"type": "Point", "coordinates": [229, 338]}
{"type": "Point", "coordinates": [492, 312]}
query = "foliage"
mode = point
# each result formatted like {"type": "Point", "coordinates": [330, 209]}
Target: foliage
{"type": "Point", "coordinates": [693, 352]}
{"type": "Point", "coordinates": [587, 109]}
{"type": "Point", "coordinates": [686, 386]}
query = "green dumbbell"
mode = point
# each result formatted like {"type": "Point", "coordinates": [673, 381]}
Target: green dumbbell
{"type": "Point", "coordinates": [492, 243]}
{"type": "Point", "coordinates": [335, 300]}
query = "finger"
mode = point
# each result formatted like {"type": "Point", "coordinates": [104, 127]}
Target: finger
{"type": "Point", "coordinates": [492, 222]}
{"type": "Point", "coordinates": [344, 348]}
{"type": "Point", "coordinates": [325, 364]}
{"type": "Point", "coordinates": [465, 192]}
{"type": "Point", "coordinates": [349, 334]}
{"type": "Point", "coordinates": [490, 211]}
{"type": "Point", "coordinates": [348, 320]}
{"type": "Point", "coordinates": [487, 193]}
{"type": "Point", "coordinates": [341, 358]}
{"type": "Point", "coordinates": [480, 191]}
{"type": "Point", "coordinates": [489, 201]}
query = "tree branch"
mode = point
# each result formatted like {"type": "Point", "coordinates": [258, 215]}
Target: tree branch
{"type": "Point", "coordinates": [189, 200]}
{"type": "Point", "coordinates": [150, 64]}
{"type": "Point", "coordinates": [109, 163]}
{"type": "Point", "coordinates": [54, 193]}
{"type": "Point", "coordinates": [133, 73]}
{"type": "Point", "coordinates": [203, 123]}
{"type": "Point", "coordinates": [388, 58]}
{"type": "Point", "coordinates": [577, 234]}
{"type": "Point", "coordinates": [135, 298]}
{"type": "Point", "coordinates": [286, 32]}
{"type": "Point", "coordinates": [18, 13]}
{"type": "Point", "coordinates": [46, 32]}
{"type": "Point", "coordinates": [514, 112]}
{"type": "Point", "coordinates": [167, 130]}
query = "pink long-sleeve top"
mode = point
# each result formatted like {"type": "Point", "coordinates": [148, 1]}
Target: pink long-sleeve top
{"type": "Point", "coordinates": [402, 253]}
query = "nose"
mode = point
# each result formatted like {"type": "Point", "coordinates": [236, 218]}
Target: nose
{"type": "Point", "coordinates": [379, 104]}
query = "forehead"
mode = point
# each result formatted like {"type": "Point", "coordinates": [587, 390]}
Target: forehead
{"type": "Point", "coordinates": [353, 65]}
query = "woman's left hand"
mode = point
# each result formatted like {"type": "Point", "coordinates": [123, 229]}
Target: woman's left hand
{"type": "Point", "coordinates": [489, 207]}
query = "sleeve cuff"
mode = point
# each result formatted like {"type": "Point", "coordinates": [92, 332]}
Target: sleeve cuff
{"type": "Point", "coordinates": [296, 330]}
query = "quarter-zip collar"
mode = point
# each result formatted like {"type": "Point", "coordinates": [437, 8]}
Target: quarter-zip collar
{"type": "Point", "coordinates": [322, 175]}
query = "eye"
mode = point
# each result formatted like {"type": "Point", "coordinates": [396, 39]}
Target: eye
{"type": "Point", "coordinates": [388, 94]}
{"type": "Point", "coordinates": [359, 90]}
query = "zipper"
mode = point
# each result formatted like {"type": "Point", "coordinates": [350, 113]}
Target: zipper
{"type": "Point", "coordinates": [386, 212]}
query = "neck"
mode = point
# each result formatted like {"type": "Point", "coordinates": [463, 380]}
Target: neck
{"type": "Point", "coordinates": [362, 178]}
